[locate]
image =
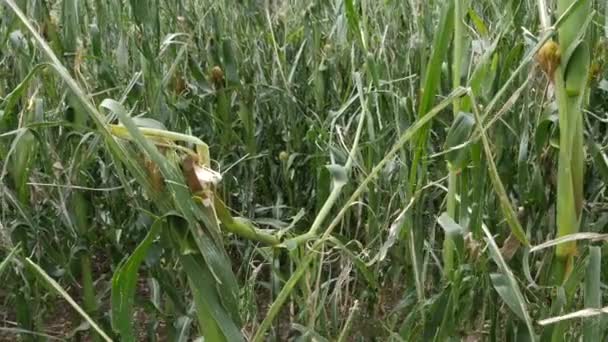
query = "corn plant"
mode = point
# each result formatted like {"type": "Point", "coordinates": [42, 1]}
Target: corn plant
{"type": "Point", "coordinates": [571, 80]}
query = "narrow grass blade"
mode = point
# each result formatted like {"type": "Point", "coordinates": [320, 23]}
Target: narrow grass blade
{"type": "Point", "coordinates": [506, 285]}
{"type": "Point", "coordinates": [345, 330]}
{"type": "Point", "coordinates": [505, 204]}
{"type": "Point", "coordinates": [593, 294]}
{"type": "Point", "coordinates": [7, 260]}
{"type": "Point", "coordinates": [585, 313]}
{"type": "Point", "coordinates": [28, 332]}
{"type": "Point", "coordinates": [570, 238]}
{"type": "Point", "coordinates": [54, 285]}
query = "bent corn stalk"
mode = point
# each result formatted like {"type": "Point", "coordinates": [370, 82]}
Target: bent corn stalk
{"type": "Point", "coordinates": [200, 178]}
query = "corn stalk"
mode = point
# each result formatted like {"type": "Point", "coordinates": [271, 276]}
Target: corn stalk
{"type": "Point", "coordinates": [570, 80]}
{"type": "Point", "coordinates": [448, 244]}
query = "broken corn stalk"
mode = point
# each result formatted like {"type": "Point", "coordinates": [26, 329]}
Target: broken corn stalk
{"type": "Point", "coordinates": [200, 178]}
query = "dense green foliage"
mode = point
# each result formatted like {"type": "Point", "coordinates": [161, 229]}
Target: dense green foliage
{"type": "Point", "coordinates": [414, 170]}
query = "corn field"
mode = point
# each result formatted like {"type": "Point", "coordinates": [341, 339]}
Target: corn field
{"type": "Point", "coordinates": [326, 170]}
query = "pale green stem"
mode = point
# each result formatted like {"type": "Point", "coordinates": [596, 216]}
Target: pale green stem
{"type": "Point", "coordinates": [344, 334]}
{"type": "Point", "coordinates": [545, 20]}
{"type": "Point", "coordinates": [337, 189]}
{"type": "Point", "coordinates": [448, 246]}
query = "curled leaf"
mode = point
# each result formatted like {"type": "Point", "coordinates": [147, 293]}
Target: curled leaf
{"type": "Point", "coordinates": [199, 177]}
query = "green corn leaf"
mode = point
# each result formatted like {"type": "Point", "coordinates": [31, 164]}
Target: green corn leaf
{"type": "Point", "coordinates": [484, 72]}
{"type": "Point", "coordinates": [70, 20]}
{"type": "Point", "coordinates": [432, 77]}
{"type": "Point", "coordinates": [124, 282]}
{"type": "Point", "coordinates": [15, 95]}
{"type": "Point", "coordinates": [478, 22]}
{"type": "Point", "coordinates": [458, 134]}
{"type": "Point", "coordinates": [217, 324]}
{"type": "Point", "coordinates": [453, 232]}
{"type": "Point", "coordinates": [544, 129]}
{"type": "Point", "coordinates": [505, 290]}
{"type": "Point", "coordinates": [230, 63]}
{"type": "Point", "coordinates": [352, 17]}
{"type": "Point", "coordinates": [574, 75]}
{"type": "Point", "coordinates": [506, 284]}
{"type": "Point", "coordinates": [499, 188]}
{"type": "Point", "coordinates": [571, 27]}
{"type": "Point", "coordinates": [25, 148]}
{"type": "Point", "coordinates": [441, 42]}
